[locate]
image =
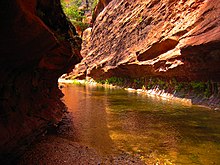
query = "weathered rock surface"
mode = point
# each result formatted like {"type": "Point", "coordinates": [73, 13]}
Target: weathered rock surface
{"type": "Point", "coordinates": [86, 40]}
{"type": "Point", "coordinates": [98, 9]}
{"type": "Point", "coordinates": [167, 38]}
{"type": "Point", "coordinates": [37, 45]}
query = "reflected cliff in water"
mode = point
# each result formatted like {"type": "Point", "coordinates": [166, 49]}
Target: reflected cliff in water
{"type": "Point", "coordinates": [88, 110]}
{"type": "Point", "coordinates": [114, 121]}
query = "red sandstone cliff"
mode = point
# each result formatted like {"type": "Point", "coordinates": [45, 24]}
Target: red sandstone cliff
{"type": "Point", "coordinates": [37, 45]}
{"type": "Point", "coordinates": [98, 9]}
{"type": "Point", "coordinates": [167, 38]}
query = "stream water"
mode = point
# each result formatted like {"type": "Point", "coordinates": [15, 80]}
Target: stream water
{"type": "Point", "coordinates": [114, 121]}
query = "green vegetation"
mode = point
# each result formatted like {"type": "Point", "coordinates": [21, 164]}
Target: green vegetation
{"type": "Point", "coordinates": [208, 89]}
{"type": "Point", "coordinates": [75, 10]}
{"type": "Point", "coordinates": [90, 4]}
{"type": "Point", "coordinates": [170, 85]}
{"type": "Point", "coordinates": [140, 19]}
{"type": "Point", "coordinates": [76, 82]}
{"type": "Point", "coordinates": [93, 4]}
{"type": "Point", "coordinates": [112, 80]}
{"type": "Point", "coordinates": [198, 86]}
{"type": "Point", "coordinates": [75, 15]}
{"type": "Point", "coordinates": [179, 86]}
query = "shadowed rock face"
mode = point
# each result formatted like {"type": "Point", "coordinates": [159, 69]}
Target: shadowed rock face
{"type": "Point", "coordinates": [37, 45]}
{"type": "Point", "coordinates": [167, 38]}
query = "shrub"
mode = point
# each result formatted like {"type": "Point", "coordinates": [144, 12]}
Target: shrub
{"type": "Point", "coordinates": [75, 15]}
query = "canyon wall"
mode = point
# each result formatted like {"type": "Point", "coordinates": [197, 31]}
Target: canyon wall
{"type": "Point", "coordinates": [98, 9]}
{"type": "Point", "coordinates": [37, 46]}
{"type": "Point", "coordinates": [161, 38]}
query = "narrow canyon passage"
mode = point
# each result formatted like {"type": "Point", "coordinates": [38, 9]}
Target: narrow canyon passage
{"type": "Point", "coordinates": [168, 45]}
{"type": "Point", "coordinates": [128, 128]}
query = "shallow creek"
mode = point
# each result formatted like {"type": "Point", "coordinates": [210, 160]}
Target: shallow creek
{"type": "Point", "coordinates": [158, 132]}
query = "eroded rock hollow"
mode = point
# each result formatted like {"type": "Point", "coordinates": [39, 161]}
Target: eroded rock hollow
{"type": "Point", "coordinates": [37, 46]}
{"type": "Point", "coordinates": [161, 38]}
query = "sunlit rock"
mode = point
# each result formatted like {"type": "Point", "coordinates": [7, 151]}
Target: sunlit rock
{"type": "Point", "coordinates": [154, 38]}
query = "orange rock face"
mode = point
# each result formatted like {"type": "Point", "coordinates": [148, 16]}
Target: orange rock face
{"type": "Point", "coordinates": [167, 38]}
{"type": "Point", "coordinates": [99, 7]}
{"type": "Point", "coordinates": [37, 46]}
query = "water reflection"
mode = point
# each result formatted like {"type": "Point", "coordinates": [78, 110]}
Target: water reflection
{"type": "Point", "coordinates": [88, 109]}
{"type": "Point", "coordinates": [113, 120]}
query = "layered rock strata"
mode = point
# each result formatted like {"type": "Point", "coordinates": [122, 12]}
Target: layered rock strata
{"type": "Point", "coordinates": [37, 46]}
{"type": "Point", "coordinates": [98, 9]}
{"type": "Point", "coordinates": [144, 38]}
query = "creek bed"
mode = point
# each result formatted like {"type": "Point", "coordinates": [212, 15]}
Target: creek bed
{"type": "Point", "coordinates": [131, 128]}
